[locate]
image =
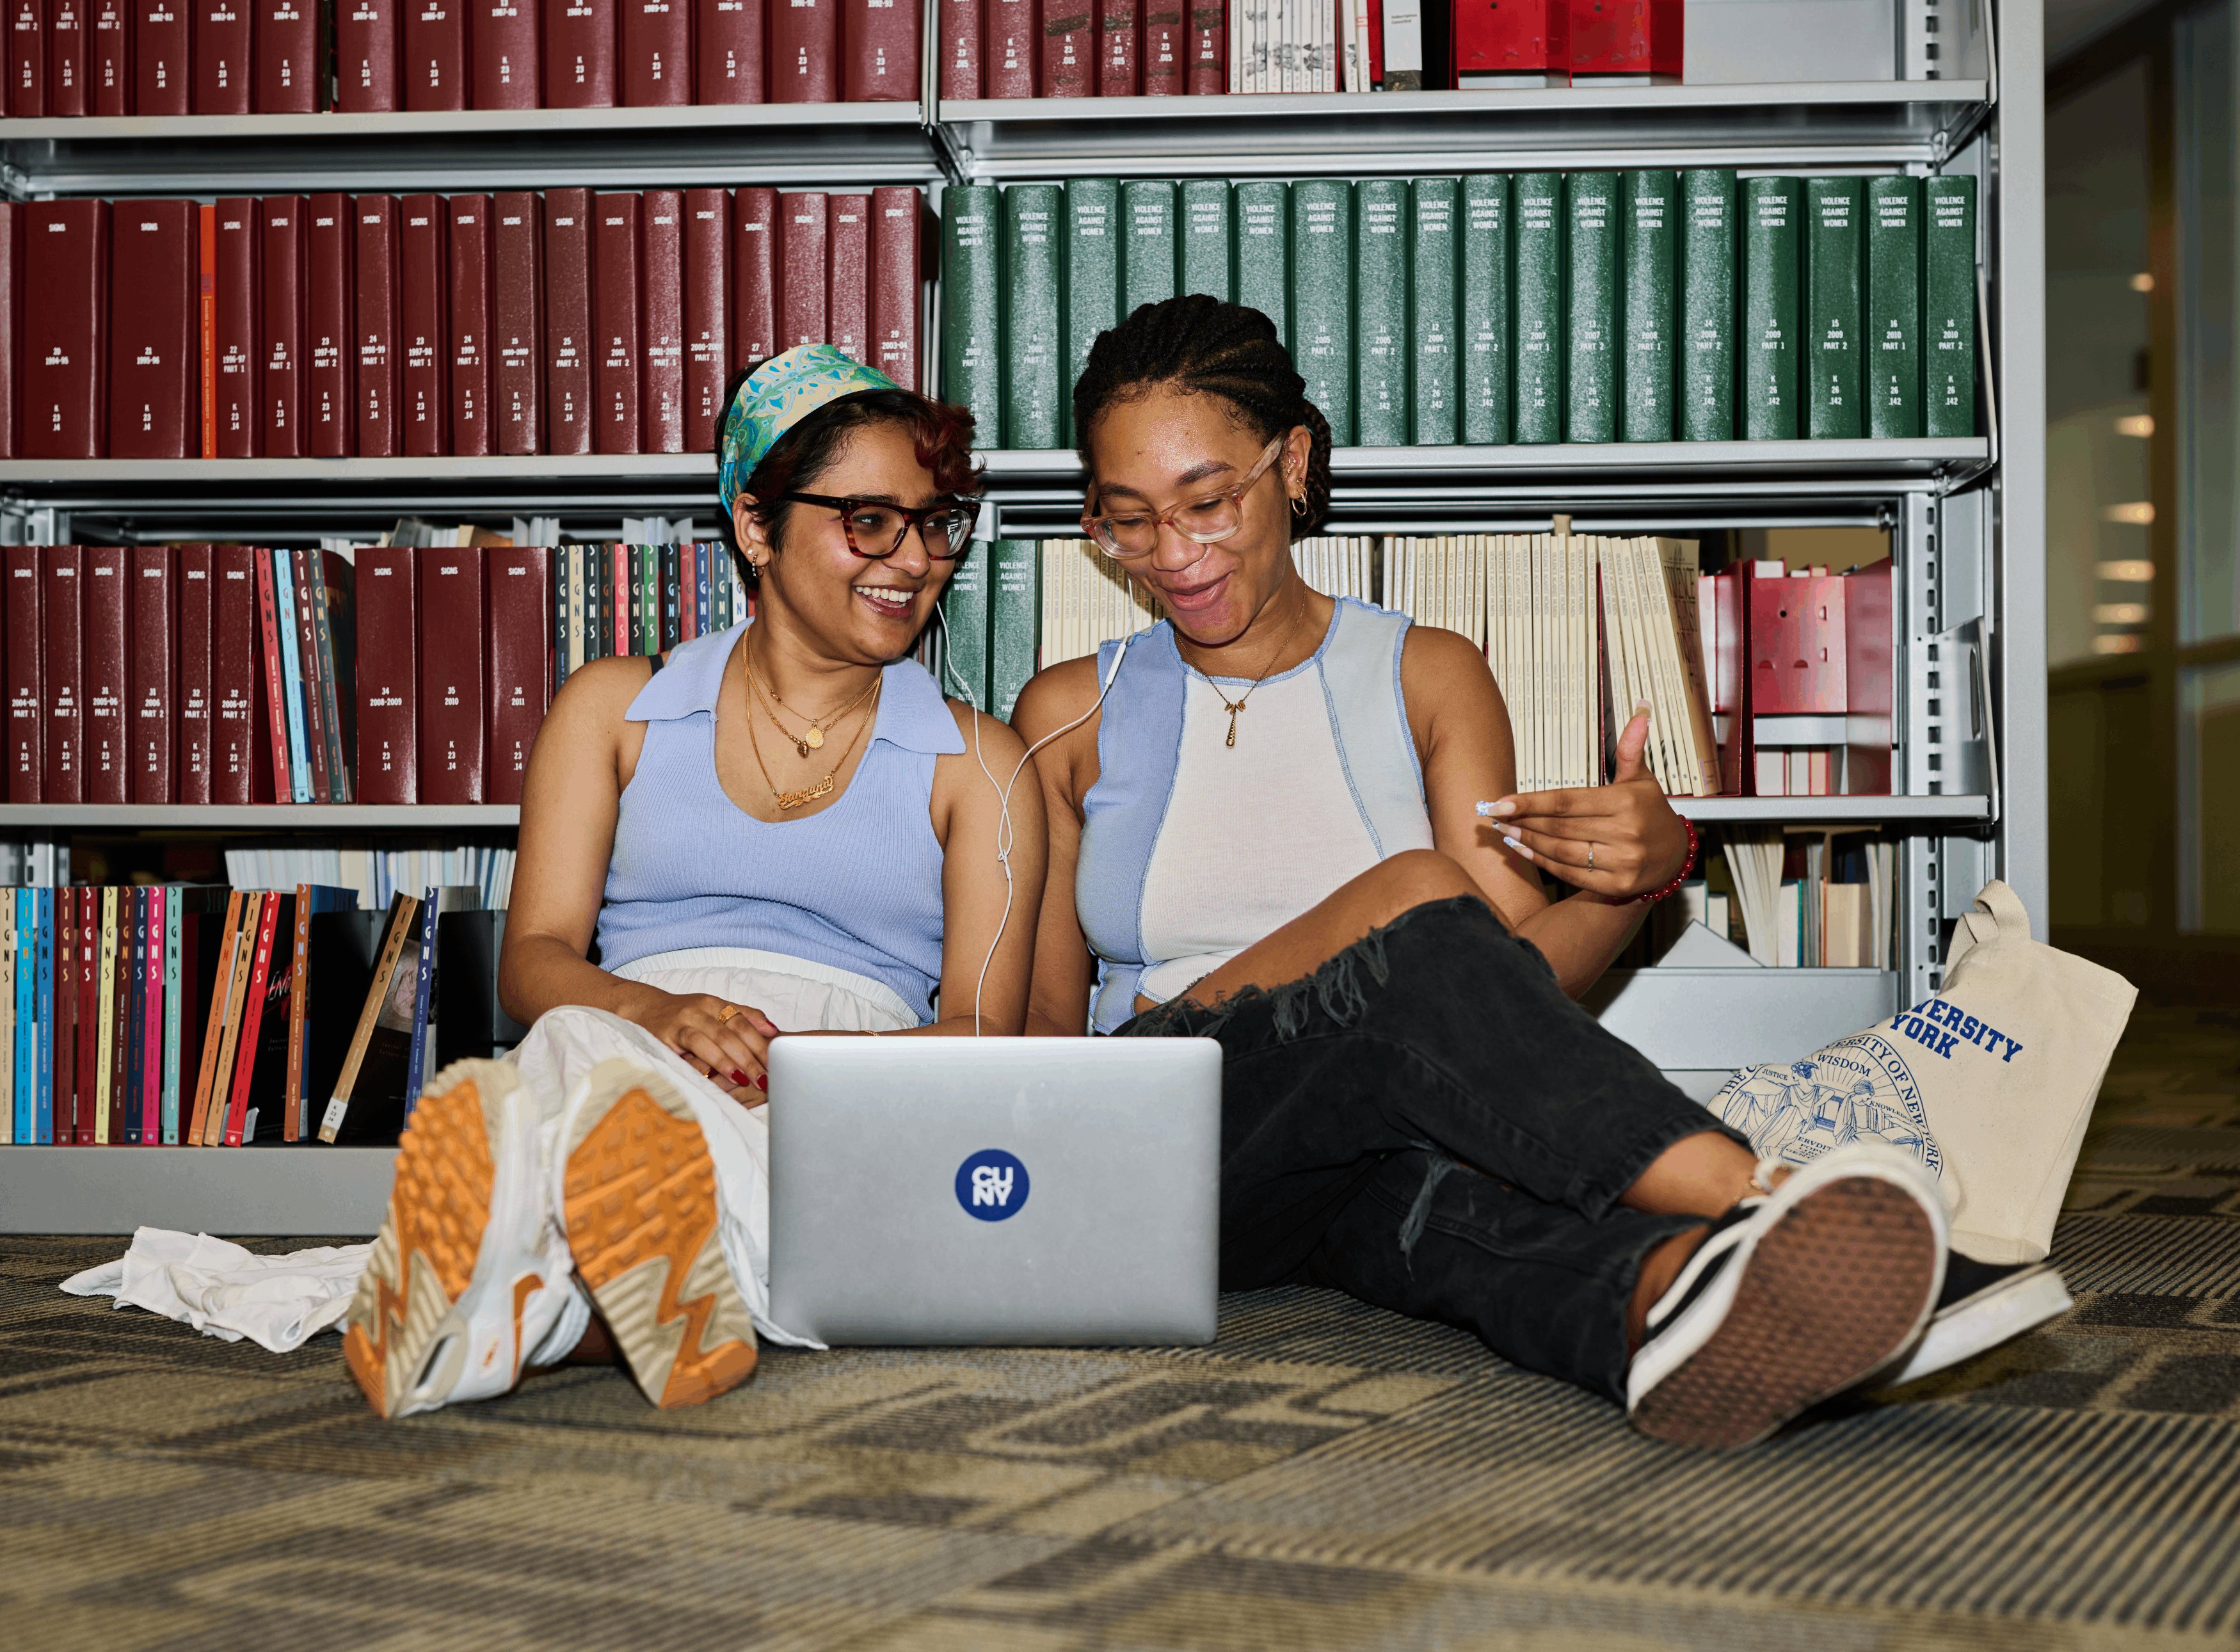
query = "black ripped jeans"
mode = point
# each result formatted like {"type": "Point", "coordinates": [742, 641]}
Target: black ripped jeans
{"type": "Point", "coordinates": [1428, 1123]}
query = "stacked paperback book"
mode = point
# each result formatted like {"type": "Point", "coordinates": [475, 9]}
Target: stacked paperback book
{"type": "Point", "coordinates": [1539, 307]}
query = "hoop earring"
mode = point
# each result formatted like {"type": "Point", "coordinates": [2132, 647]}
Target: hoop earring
{"type": "Point", "coordinates": [1299, 507]}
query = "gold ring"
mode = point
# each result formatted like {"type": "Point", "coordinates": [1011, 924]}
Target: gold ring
{"type": "Point", "coordinates": [1590, 857]}
{"type": "Point", "coordinates": [730, 1010]}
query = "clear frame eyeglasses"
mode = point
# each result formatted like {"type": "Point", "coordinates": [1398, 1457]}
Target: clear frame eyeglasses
{"type": "Point", "coordinates": [1129, 535]}
{"type": "Point", "coordinates": [875, 527]}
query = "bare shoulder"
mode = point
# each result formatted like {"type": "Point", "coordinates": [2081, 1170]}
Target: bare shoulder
{"type": "Point", "coordinates": [1054, 697]}
{"type": "Point", "coordinates": [1441, 658]}
{"type": "Point", "coordinates": [600, 691]}
{"type": "Point", "coordinates": [993, 741]}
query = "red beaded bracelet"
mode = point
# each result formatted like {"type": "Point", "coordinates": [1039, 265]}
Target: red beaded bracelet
{"type": "Point", "coordinates": [1686, 866]}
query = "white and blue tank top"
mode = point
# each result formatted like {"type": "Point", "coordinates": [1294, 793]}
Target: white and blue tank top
{"type": "Point", "coordinates": [1191, 848]}
{"type": "Point", "coordinates": [857, 886]}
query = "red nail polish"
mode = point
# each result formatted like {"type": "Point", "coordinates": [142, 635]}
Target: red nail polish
{"type": "Point", "coordinates": [739, 1077]}
{"type": "Point", "coordinates": [762, 1081]}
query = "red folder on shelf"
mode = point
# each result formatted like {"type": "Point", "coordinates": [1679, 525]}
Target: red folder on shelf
{"type": "Point", "coordinates": [616, 298]}
{"type": "Point", "coordinates": [219, 51]}
{"type": "Point", "coordinates": [329, 352]}
{"type": "Point", "coordinates": [452, 674]}
{"type": "Point", "coordinates": [803, 222]}
{"type": "Point", "coordinates": [1012, 50]}
{"type": "Point", "coordinates": [27, 59]}
{"type": "Point", "coordinates": [368, 51]}
{"type": "Point", "coordinates": [753, 278]}
{"type": "Point", "coordinates": [1165, 47]}
{"type": "Point", "coordinates": [467, 297]}
{"type": "Point", "coordinates": [516, 330]}
{"type": "Point", "coordinates": [154, 330]}
{"type": "Point", "coordinates": [520, 648]}
{"type": "Point", "coordinates": [11, 322]}
{"type": "Point", "coordinates": [277, 349]}
{"type": "Point", "coordinates": [233, 394]}
{"type": "Point", "coordinates": [151, 706]}
{"type": "Point", "coordinates": [1068, 48]}
{"type": "Point", "coordinates": [389, 675]}
{"type": "Point", "coordinates": [435, 45]}
{"type": "Point", "coordinates": [804, 52]}
{"type": "Point", "coordinates": [109, 51]}
{"type": "Point", "coordinates": [503, 43]}
{"type": "Point", "coordinates": [657, 51]}
{"type": "Point", "coordinates": [727, 49]}
{"type": "Point", "coordinates": [102, 664]}
{"type": "Point", "coordinates": [64, 343]}
{"type": "Point", "coordinates": [374, 267]}
{"type": "Point", "coordinates": [1117, 48]}
{"type": "Point", "coordinates": [284, 57]}
{"type": "Point", "coordinates": [897, 239]}
{"type": "Point", "coordinates": [423, 392]}
{"type": "Point", "coordinates": [62, 669]}
{"type": "Point", "coordinates": [848, 277]}
{"type": "Point", "coordinates": [67, 88]}
{"type": "Point", "coordinates": [568, 342]}
{"type": "Point", "coordinates": [881, 38]}
{"type": "Point", "coordinates": [239, 773]}
{"type": "Point", "coordinates": [660, 321]}
{"type": "Point", "coordinates": [26, 650]}
{"type": "Point", "coordinates": [579, 54]}
{"type": "Point", "coordinates": [162, 83]}
{"type": "Point", "coordinates": [961, 53]}
{"type": "Point", "coordinates": [1207, 73]}
{"type": "Point", "coordinates": [194, 694]}
{"type": "Point", "coordinates": [706, 289]}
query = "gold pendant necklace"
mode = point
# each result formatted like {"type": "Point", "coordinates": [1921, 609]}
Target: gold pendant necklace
{"type": "Point", "coordinates": [785, 801]}
{"type": "Point", "coordinates": [814, 740]}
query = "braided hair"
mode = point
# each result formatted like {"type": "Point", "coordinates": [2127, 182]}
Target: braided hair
{"type": "Point", "coordinates": [1202, 346]}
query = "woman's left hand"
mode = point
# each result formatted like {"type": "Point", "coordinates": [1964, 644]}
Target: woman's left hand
{"type": "Point", "coordinates": [1618, 841]}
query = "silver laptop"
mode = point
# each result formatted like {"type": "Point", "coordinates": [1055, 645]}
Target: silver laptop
{"type": "Point", "coordinates": [995, 1191]}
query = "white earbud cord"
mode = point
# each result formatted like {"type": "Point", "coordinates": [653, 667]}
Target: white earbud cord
{"type": "Point", "coordinates": [1004, 835]}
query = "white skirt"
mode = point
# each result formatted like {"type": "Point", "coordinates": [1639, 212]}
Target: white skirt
{"type": "Point", "coordinates": [798, 996]}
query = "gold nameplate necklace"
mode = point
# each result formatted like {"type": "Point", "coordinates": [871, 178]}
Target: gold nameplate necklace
{"type": "Point", "coordinates": [785, 800]}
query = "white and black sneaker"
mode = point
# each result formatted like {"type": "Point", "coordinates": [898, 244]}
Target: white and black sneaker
{"type": "Point", "coordinates": [1983, 1304]}
{"type": "Point", "coordinates": [1791, 1299]}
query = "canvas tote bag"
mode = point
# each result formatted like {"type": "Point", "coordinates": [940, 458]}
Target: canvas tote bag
{"type": "Point", "coordinates": [1989, 1083]}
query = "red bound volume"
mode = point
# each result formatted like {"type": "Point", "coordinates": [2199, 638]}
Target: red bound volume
{"type": "Point", "coordinates": [727, 51]}
{"type": "Point", "coordinates": [423, 395]}
{"type": "Point", "coordinates": [452, 673]}
{"type": "Point", "coordinates": [27, 687]}
{"type": "Point", "coordinates": [802, 221]}
{"type": "Point", "coordinates": [329, 352]}
{"type": "Point", "coordinates": [521, 664]}
{"type": "Point", "coordinates": [1116, 47]}
{"type": "Point", "coordinates": [707, 281]}
{"type": "Point", "coordinates": [1208, 72]}
{"type": "Point", "coordinates": [568, 354]}
{"type": "Point", "coordinates": [1068, 35]}
{"type": "Point", "coordinates": [1165, 48]}
{"type": "Point", "coordinates": [1012, 48]}
{"type": "Point", "coordinates": [616, 297]}
{"type": "Point", "coordinates": [202, 439]}
{"type": "Point", "coordinates": [191, 574]}
{"type": "Point", "coordinates": [883, 40]}
{"type": "Point", "coordinates": [109, 51]}
{"type": "Point", "coordinates": [657, 45]}
{"type": "Point", "coordinates": [278, 348]}
{"type": "Point", "coordinates": [233, 349]}
{"type": "Point", "coordinates": [66, 57]}
{"type": "Point", "coordinates": [848, 265]}
{"type": "Point", "coordinates": [162, 31]}
{"type": "Point", "coordinates": [273, 747]}
{"type": "Point", "coordinates": [155, 331]}
{"type": "Point", "coordinates": [579, 54]}
{"type": "Point", "coordinates": [284, 59]}
{"type": "Point", "coordinates": [503, 42]}
{"type": "Point", "coordinates": [237, 656]}
{"type": "Point", "coordinates": [388, 675]}
{"type": "Point", "coordinates": [11, 322]}
{"type": "Point", "coordinates": [661, 320]}
{"type": "Point", "coordinates": [366, 57]}
{"type": "Point", "coordinates": [515, 345]}
{"type": "Point", "coordinates": [62, 736]}
{"type": "Point", "coordinates": [151, 705]}
{"type": "Point", "coordinates": [435, 54]}
{"type": "Point", "coordinates": [27, 58]}
{"type": "Point", "coordinates": [960, 49]}
{"type": "Point", "coordinates": [65, 323]}
{"type": "Point", "coordinates": [897, 232]}
{"type": "Point", "coordinates": [373, 262]}
{"type": "Point", "coordinates": [466, 296]}
{"type": "Point", "coordinates": [220, 54]}
{"type": "Point", "coordinates": [753, 278]}
{"type": "Point", "coordinates": [101, 665]}
{"type": "Point", "coordinates": [805, 51]}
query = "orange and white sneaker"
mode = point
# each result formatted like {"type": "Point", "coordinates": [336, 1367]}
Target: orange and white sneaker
{"type": "Point", "coordinates": [639, 1198]}
{"type": "Point", "coordinates": [470, 1273]}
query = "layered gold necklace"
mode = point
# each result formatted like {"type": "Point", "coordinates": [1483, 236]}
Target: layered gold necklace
{"type": "Point", "coordinates": [785, 800]}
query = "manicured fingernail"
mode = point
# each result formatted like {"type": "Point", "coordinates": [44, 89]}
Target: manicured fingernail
{"type": "Point", "coordinates": [1641, 708]}
{"type": "Point", "coordinates": [1518, 846]}
{"type": "Point", "coordinates": [762, 1081]}
{"type": "Point", "coordinates": [1501, 810]}
{"type": "Point", "coordinates": [739, 1077]}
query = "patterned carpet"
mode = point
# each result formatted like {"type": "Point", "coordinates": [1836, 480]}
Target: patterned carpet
{"type": "Point", "coordinates": [1325, 1476]}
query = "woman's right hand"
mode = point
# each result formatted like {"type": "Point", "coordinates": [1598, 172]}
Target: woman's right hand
{"type": "Point", "coordinates": [729, 1041]}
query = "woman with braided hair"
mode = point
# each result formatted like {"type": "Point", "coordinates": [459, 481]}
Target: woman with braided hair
{"type": "Point", "coordinates": [1266, 831]}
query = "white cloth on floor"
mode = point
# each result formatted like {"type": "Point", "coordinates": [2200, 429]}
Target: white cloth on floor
{"type": "Point", "coordinates": [798, 996]}
{"type": "Point", "coordinates": [281, 1302]}
{"type": "Point", "coordinates": [223, 1291]}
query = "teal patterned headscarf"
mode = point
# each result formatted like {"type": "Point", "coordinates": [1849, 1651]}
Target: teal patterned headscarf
{"type": "Point", "coordinates": [777, 395]}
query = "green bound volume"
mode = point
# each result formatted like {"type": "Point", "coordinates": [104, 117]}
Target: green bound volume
{"type": "Point", "coordinates": [1538, 325]}
{"type": "Point", "coordinates": [1835, 264]}
{"type": "Point", "coordinates": [1034, 353]}
{"type": "Point", "coordinates": [964, 626]}
{"type": "Point", "coordinates": [1948, 303]}
{"type": "Point", "coordinates": [1092, 276]}
{"type": "Point", "coordinates": [1484, 293]}
{"type": "Point", "coordinates": [1706, 305]}
{"type": "Point", "coordinates": [1147, 263]}
{"type": "Point", "coordinates": [1264, 257]}
{"type": "Point", "coordinates": [1591, 309]}
{"type": "Point", "coordinates": [1208, 253]}
{"type": "Point", "coordinates": [1321, 298]}
{"type": "Point", "coordinates": [1652, 232]}
{"type": "Point", "coordinates": [972, 340]}
{"type": "Point", "coordinates": [1893, 331]}
{"type": "Point", "coordinates": [1434, 391]}
{"type": "Point", "coordinates": [1380, 278]}
{"type": "Point", "coordinates": [1773, 210]}
{"type": "Point", "coordinates": [1015, 611]}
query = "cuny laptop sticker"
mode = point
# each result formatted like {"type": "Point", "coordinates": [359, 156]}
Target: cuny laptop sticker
{"type": "Point", "coordinates": [991, 1185]}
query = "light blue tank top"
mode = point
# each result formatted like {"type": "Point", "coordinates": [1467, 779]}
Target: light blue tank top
{"type": "Point", "coordinates": [857, 887]}
{"type": "Point", "coordinates": [1193, 848]}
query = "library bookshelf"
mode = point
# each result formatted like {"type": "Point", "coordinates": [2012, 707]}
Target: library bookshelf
{"type": "Point", "coordinates": [1965, 519]}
